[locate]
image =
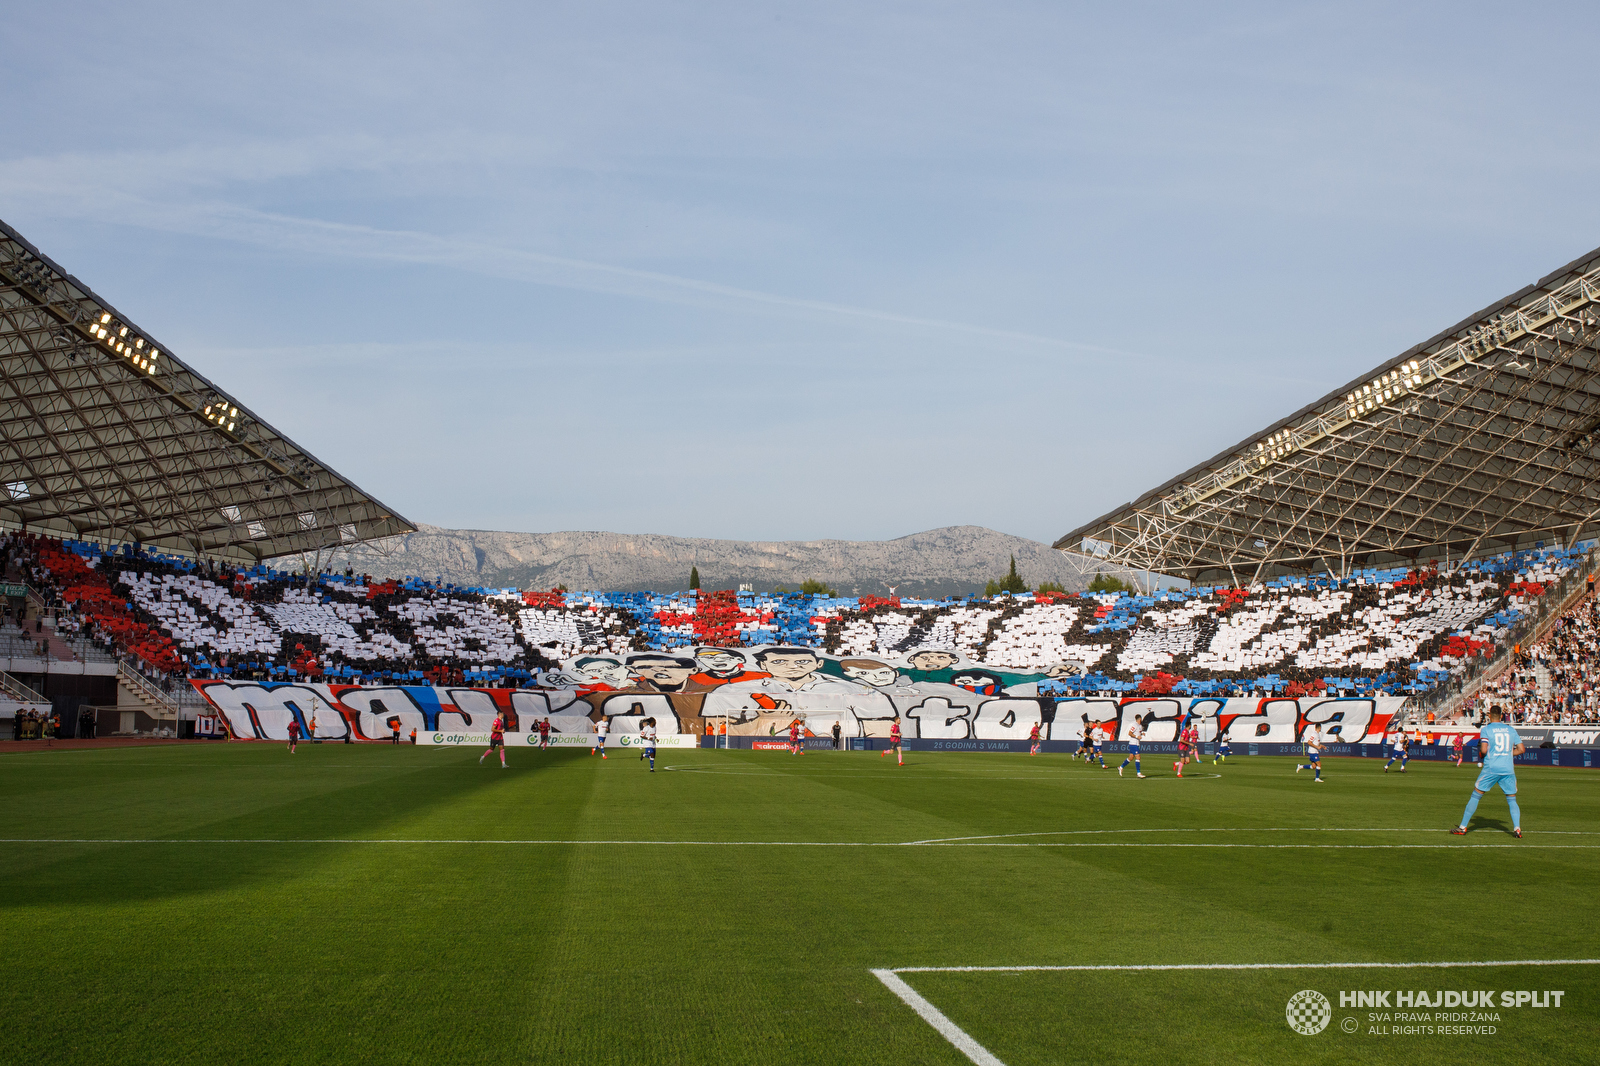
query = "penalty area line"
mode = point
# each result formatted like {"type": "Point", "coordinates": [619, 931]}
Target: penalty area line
{"type": "Point", "coordinates": [1253, 966]}
{"type": "Point", "coordinates": [936, 1018]}
{"type": "Point", "coordinates": [962, 1041]}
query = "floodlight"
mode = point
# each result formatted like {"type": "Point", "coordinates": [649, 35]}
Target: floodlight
{"type": "Point", "coordinates": [230, 427]}
{"type": "Point", "coordinates": [1414, 365]}
{"type": "Point", "coordinates": [123, 332]}
{"type": "Point", "coordinates": [154, 355]}
{"type": "Point", "coordinates": [105, 318]}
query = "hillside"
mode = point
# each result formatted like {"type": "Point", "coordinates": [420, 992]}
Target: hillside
{"type": "Point", "coordinates": [941, 562]}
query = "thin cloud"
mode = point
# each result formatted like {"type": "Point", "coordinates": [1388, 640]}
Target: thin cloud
{"type": "Point", "coordinates": [61, 185]}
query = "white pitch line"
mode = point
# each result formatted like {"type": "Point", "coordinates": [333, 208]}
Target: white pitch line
{"type": "Point", "coordinates": [981, 1055]}
{"type": "Point", "coordinates": [1253, 966]}
{"type": "Point", "coordinates": [419, 840]}
{"type": "Point", "coordinates": [935, 1017]}
{"type": "Point", "coordinates": [1249, 847]}
{"type": "Point", "coordinates": [1520, 846]}
{"type": "Point", "coordinates": [1203, 829]}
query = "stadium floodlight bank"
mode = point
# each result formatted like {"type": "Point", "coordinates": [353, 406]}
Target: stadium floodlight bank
{"type": "Point", "coordinates": [1482, 439]}
{"type": "Point", "coordinates": [110, 438]}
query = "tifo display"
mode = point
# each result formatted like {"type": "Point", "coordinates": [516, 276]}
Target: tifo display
{"type": "Point", "coordinates": [1394, 632]}
{"type": "Point", "coordinates": [928, 710]}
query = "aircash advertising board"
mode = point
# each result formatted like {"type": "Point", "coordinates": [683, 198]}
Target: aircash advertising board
{"type": "Point", "coordinates": [263, 710]}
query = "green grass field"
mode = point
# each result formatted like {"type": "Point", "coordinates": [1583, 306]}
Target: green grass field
{"type": "Point", "coordinates": [230, 903]}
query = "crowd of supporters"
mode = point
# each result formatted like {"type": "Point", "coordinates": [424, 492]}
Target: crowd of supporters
{"type": "Point", "coordinates": [1554, 682]}
{"type": "Point", "coordinates": [1392, 631]}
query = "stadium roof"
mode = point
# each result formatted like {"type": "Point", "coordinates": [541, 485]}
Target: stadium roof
{"type": "Point", "coordinates": [110, 438]}
{"type": "Point", "coordinates": [1481, 439]}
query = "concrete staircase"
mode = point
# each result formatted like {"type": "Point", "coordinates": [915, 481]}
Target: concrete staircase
{"type": "Point", "coordinates": [135, 692]}
{"type": "Point", "coordinates": [16, 696]}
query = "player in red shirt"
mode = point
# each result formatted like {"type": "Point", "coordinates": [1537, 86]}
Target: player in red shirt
{"type": "Point", "coordinates": [1458, 750]}
{"type": "Point", "coordinates": [1033, 739]}
{"type": "Point", "coordinates": [294, 734]}
{"type": "Point", "coordinates": [894, 742]}
{"type": "Point", "coordinates": [544, 733]}
{"type": "Point", "coordinates": [497, 739]}
{"type": "Point", "coordinates": [794, 737]}
{"type": "Point", "coordinates": [1192, 735]}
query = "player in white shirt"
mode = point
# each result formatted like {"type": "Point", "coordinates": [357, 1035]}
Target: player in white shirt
{"type": "Point", "coordinates": [1313, 740]}
{"type": "Point", "coordinates": [647, 733]}
{"type": "Point", "coordinates": [600, 738]}
{"type": "Point", "coordinates": [1135, 734]}
{"type": "Point", "coordinates": [1397, 750]}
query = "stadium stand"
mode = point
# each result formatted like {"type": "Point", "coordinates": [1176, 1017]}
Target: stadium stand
{"type": "Point", "coordinates": [1553, 682]}
{"type": "Point", "coordinates": [1326, 554]}
{"type": "Point", "coordinates": [1391, 631]}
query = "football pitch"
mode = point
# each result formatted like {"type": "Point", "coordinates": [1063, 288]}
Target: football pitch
{"type": "Point", "coordinates": [231, 903]}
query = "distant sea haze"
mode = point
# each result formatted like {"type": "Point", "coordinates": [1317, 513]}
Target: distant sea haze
{"type": "Point", "coordinates": [954, 561]}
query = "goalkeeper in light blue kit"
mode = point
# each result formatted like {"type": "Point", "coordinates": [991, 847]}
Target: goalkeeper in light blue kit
{"type": "Point", "coordinates": [1499, 745]}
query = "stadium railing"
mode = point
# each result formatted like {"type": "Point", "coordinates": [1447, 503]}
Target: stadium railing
{"type": "Point", "coordinates": [20, 691]}
{"type": "Point", "coordinates": [147, 688]}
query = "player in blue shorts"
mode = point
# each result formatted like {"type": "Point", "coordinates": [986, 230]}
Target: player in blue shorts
{"type": "Point", "coordinates": [1099, 736]}
{"type": "Point", "coordinates": [1135, 734]}
{"type": "Point", "coordinates": [1397, 750]}
{"type": "Point", "coordinates": [648, 736]}
{"type": "Point", "coordinates": [1224, 749]}
{"type": "Point", "coordinates": [1313, 739]}
{"type": "Point", "coordinates": [1501, 745]}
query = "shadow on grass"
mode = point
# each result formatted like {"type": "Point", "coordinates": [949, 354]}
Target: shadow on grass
{"type": "Point", "coordinates": [308, 808]}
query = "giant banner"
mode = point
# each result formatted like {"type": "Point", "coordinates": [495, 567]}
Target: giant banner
{"type": "Point", "coordinates": [759, 692]}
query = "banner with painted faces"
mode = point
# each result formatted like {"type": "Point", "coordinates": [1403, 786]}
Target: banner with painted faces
{"type": "Point", "coordinates": [759, 691]}
{"type": "Point", "coordinates": [743, 691]}
{"type": "Point", "coordinates": [789, 670]}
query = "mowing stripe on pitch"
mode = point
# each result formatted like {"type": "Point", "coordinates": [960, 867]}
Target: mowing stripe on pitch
{"type": "Point", "coordinates": [981, 1055]}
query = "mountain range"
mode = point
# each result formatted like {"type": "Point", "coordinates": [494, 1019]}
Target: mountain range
{"type": "Point", "coordinates": [954, 561]}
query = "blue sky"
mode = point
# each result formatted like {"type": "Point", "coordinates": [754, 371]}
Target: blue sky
{"type": "Point", "coordinates": [787, 272]}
